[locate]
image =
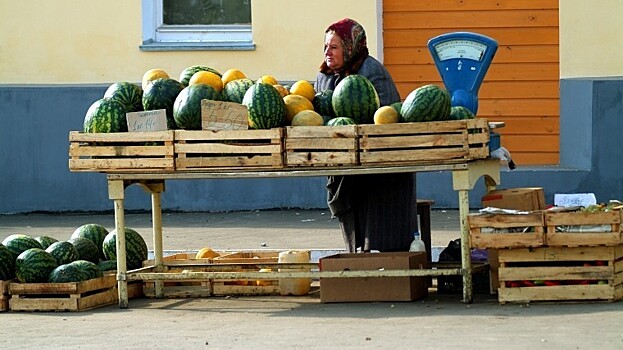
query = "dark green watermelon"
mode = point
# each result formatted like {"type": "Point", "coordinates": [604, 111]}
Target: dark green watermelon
{"type": "Point", "coordinates": [136, 248]}
{"type": "Point", "coordinates": [93, 232]}
{"type": "Point", "coordinates": [66, 273]}
{"type": "Point", "coordinates": [355, 97]}
{"type": "Point", "coordinates": [190, 71]}
{"type": "Point", "coordinates": [19, 243]}
{"type": "Point", "coordinates": [266, 107]}
{"type": "Point", "coordinates": [161, 94]}
{"type": "Point", "coordinates": [105, 115]}
{"type": "Point", "coordinates": [322, 103]}
{"type": "Point", "coordinates": [397, 106]}
{"type": "Point", "coordinates": [88, 269]}
{"type": "Point", "coordinates": [107, 265]}
{"type": "Point", "coordinates": [34, 266]}
{"type": "Point", "coordinates": [426, 103]}
{"type": "Point", "coordinates": [87, 250]}
{"type": "Point", "coordinates": [460, 112]}
{"type": "Point", "coordinates": [63, 252]}
{"type": "Point", "coordinates": [187, 106]}
{"type": "Point", "coordinates": [7, 264]}
{"type": "Point", "coordinates": [129, 94]}
{"type": "Point", "coordinates": [341, 121]}
{"type": "Point", "coordinates": [45, 241]}
{"type": "Point", "coordinates": [234, 90]}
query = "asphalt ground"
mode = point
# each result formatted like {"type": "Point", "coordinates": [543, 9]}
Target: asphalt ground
{"type": "Point", "coordinates": [439, 321]}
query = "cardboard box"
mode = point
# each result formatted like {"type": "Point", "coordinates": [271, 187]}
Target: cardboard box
{"type": "Point", "coordinates": [528, 198]}
{"type": "Point", "coordinates": [356, 289]}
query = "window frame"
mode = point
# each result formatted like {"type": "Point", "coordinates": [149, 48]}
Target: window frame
{"type": "Point", "coordinates": [159, 37]}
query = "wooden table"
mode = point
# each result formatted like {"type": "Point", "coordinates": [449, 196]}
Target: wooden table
{"type": "Point", "coordinates": [464, 177]}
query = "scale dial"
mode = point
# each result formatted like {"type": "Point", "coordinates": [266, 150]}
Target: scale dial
{"type": "Point", "coordinates": [460, 49]}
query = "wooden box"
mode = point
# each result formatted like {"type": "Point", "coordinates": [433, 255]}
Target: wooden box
{"type": "Point", "coordinates": [414, 143]}
{"type": "Point", "coordinates": [583, 228]}
{"type": "Point", "coordinates": [71, 296]}
{"type": "Point", "coordinates": [209, 149]}
{"type": "Point", "coordinates": [247, 287]}
{"type": "Point", "coordinates": [506, 230]}
{"type": "Point", "coordinates": [321, 146]}
{"type": "Point", "coordinates": [4, 295]}
{"type": "Point", "coordinates": [122, 151]}
{"type": "Point", "coordinates": [180, 288]}
{"type": "Point", "coordinates": [561, 274]}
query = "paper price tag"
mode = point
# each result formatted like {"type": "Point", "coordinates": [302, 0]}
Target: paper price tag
{"type": "Point", "coordinates": [220, 115]}
{"type": "Point", "coordinates": [155, 120]}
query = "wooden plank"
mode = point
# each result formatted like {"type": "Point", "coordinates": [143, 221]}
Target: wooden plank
{"type": "Point", "coordinates": [557, 254]}
{"type": "Point", "coordinates": [455, 18]}
{"type": "Point", "coordinates": [509, 230]}
{"type": "Point", "coordinates": [501, 89]}
{"type": "Point", "coordinates": [320, 143]}
{"type": "Point", "coordinates": [152, 136]}
{"type": "Point", "coordinates": [574, 222]}
{"type": "Point", "coordinates": [321, 146]}
{"type": "Point", "coordinates": [556, 293]}
{"type": "Point", "coordinates": [555, 273]}
{"type": "Point", "coordinates": [444, 5]}
{"type": "Point", "coordinates": [219, 135]}
{"type": "Point", "coordinates": [516, 71]}
{"type": "Point", "coordinates": [419, 37]}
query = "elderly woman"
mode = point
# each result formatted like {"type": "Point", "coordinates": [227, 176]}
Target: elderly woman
{"type": "Point", "coordinates": [375, 212]}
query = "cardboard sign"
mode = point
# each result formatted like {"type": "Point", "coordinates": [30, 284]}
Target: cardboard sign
{"type": "Point", "coordinates": [155, 120]}
{"type": "Point", "coordinates": [219, 115]}
{"type": "Point", "coordinates": [574, 199]}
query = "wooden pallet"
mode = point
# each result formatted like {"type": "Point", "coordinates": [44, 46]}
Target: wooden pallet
{"type": "Point", "coordinates": [122, 151]}
{"type": "Point", "coordinates": [228, 149]}
{"type": "Point", "coordinates": [506, 230]}
{"type": "Point", "coordinates": [574, 228]}
{"type": "Point", "coordinates": [4, 295]}
{"type": "Point", "coordinates": [247, 287]}
{"type": "Point", "coordinates": [321, 146]}
{"type": "Point", "coordinates": [72, 296]}
{"type": "Point", "coordinates": [426, 142]}
{"type": "Point", "coordinates": [561, 274]}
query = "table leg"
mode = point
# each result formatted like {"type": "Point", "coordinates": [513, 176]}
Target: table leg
{"type": "Point", "coordinates": [466, 261]}
{"type": "Point", "coordinates": [116, 189]}
{"type": "Point", "coordinates": [156, 215]}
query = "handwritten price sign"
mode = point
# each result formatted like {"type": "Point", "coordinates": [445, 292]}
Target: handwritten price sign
{"type": "Point", "coordinates": [219, 115]}
{"type": "Point", "coordinates": [155, 120]}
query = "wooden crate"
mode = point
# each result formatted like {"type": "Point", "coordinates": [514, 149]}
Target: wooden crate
{"type": "Point", "coordinates": [4, 295]}
{"type": "Point", "coordinates": [122, 151]}
{"type": "Point", "coordinates": [506, 230]}
{"type": "Point", "coordinates": [583, 228]}
{"type": "Point", "coordinates": [247, 287]}
{"type": "Point", "coordinates": [208, 149]}
{"type": "Point", "coordinates": [561, 274]}
{"type": "Point", "coordinates": [413, 143]}
{"type": "Point", "coordinates": [71, 296]}
{"type": "Point", "coordinates": [180, 288]}
{"type": "Point", "coordinates": [321, 146]}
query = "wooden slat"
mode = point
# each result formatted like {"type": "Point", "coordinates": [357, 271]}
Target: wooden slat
{"type": "Point", "coordinates": [456, 19]}
{"type": "Point", "coordinates": [419, 37]}
{"type": "Point", "coordinates": [497, 72]}
{"type": "Point", "coordinates": [441, 5]}
{"type": "Point", "coordinates": [508, 90]}
{"type": "Point", "coordinates": [504, 54]}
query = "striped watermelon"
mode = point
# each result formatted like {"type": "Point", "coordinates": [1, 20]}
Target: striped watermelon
{"type": "Point", "coordinates": [397, 106]}
{"type": "Point", "coordinates": [66, 273]}
{"type": "Point", "coordinates": [87, 250]}
{"type": "Point", "coordinates": [322, 103]}
{"type": "Point", "coordinates": [45, 241]}
{"type": "Point", "coordinates": [105, 115]}
{"type": "Point", "coordinates": [93, 232]}
{"type": "Point", "coordinates": [19, 243]}
{"type": "Point", "coordinates": [7, 264]}
{"type": "Point", "coordinates": [341, 121]}
{"type": "Point", "coordinates": [190, 71]}
{"type": "Point", "coordinates": [187, 106]}
{"type": "Point", "coordinates": [234, 90]}
{"type": "Point", "coordinates": [426, 103]}
{"type": "Point", "coordinates": [34, 266]}
{"type": "Point", "coordinates": [129, 94]}
{"type": "Point", "coordinates": [63, 252]}
{"type": "Point", "coordinates": [107, 265]}
{"type": "Point", "coordinates": [355, 97]}
{"type": "Point", "coordinates": [88, 269]}
{"type": "Point", "coordinates": [161, 94]}
{"type": "Point", "coordinates": [266, 106]}
{"type": "Point", "coordinates": [135, 246]}
{"type": "Point", "coordinates": [460, 112]}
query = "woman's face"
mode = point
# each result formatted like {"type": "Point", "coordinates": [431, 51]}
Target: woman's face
{"type": "Point", "coordinates": [333, 51]}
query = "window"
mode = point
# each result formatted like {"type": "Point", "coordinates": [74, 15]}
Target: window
{"type": "Point", "coordinates": [197, 25]}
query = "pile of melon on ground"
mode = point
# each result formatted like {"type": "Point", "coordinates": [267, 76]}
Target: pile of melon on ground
{"type": "Point", "coordinates": [87, 254]}
{"type": "Point", "coordinates": [270, 104]}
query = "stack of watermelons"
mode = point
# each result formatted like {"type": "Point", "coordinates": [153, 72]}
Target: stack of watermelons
{"type": "Point", "coordinates": [87, 254]}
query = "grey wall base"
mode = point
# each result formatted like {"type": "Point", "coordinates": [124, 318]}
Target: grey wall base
{"type": "Point", "coordinates": [34, 174]}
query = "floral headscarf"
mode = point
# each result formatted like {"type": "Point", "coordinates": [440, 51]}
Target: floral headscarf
{"type": "Point", "coordinates": [355, 46]}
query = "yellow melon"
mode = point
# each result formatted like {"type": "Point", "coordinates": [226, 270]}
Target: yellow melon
{"type": "Point", "coordinates": [282, 90]}
{"type": "Point", "coordinates": [232, 74]}
{"type": "Point", "coordinates": [206, 253]}
{"type": "Point", "coordinates": [263, 282]}
{"type": "Point", "coordinates": [303, 88]}
{"type": "Point", "coordinates": [295, 104]}
{"type": "Point", "coordinates": [268, 79]}
{"type": "Point", "coordinates": [307, 118]}
{"type": "Point", "coordinates": [386, 115]}
{"type": "Point", "coordinates": [208, 78]}
{"type": "Point", "coordinates": [153, 74]}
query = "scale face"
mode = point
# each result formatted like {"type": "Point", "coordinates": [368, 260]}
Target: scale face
{"type": "Point", "coordinates": [462, 59]}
